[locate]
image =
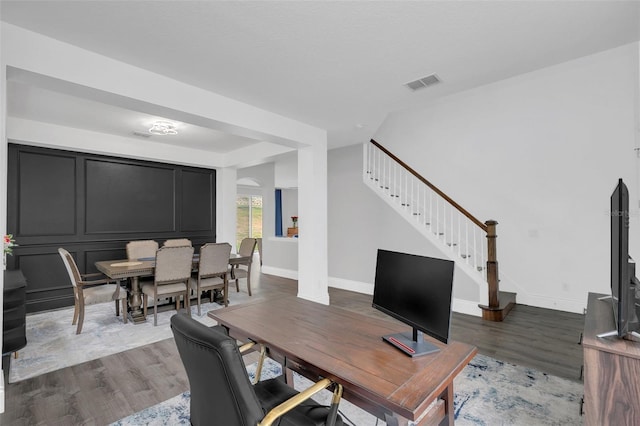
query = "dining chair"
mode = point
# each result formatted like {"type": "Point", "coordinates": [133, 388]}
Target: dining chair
{"type": "Point", "coordinates": [171, 278]}
{"type": "Point", "coordinates": [243, 270]}
{"type": "Point", "coordinates": [213, 271]}
{"type": "Point", "coordinates": [177, 242]}
{"type": "Point", "coordinates": [143, 249]}
{"type": "Point", "coordinates": [222, 393]}
{"type": "Point", "coordinates": [91, 292]}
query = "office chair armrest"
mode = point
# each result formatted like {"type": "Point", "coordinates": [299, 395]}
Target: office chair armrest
{"type": "Point", "coordinates": [244, 348]}
{"type": "Point", "coordinates": [294, 401]}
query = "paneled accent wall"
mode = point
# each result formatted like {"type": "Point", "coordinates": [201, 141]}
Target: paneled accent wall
{"type": "Point", "coordinates": [92, 205]}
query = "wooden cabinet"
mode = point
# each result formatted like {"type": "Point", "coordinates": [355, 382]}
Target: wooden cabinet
{"type": "Point", "coordinates": [611, 370]}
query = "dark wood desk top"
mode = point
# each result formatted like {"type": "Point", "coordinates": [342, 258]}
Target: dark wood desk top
{"type": "Point", "coordinates": [348, 348]}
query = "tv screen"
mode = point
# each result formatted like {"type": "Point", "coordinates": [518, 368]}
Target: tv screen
{"type": "Point", "coordinates": [623, 279]}
{"type": "Point", "coordinates": [417, 291]}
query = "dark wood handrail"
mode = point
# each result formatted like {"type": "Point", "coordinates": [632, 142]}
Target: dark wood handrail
{"type": "Point", "coordinates": [471, 217]}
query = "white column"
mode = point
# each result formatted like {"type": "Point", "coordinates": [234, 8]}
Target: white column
{"type": "Point", "coordinates": [313, 267]}
{"type": "Point", "coordinates": [226, 193]}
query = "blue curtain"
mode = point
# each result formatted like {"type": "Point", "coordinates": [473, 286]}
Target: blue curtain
{"type": "Point", "coordinates": [278, 213]}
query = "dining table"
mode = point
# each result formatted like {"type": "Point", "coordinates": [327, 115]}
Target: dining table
{"type": "Point", "coordinates": [133, 270]}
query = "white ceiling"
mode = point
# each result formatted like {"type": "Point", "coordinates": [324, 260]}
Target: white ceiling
{"type": "Point", "coordinates": [336, 65]}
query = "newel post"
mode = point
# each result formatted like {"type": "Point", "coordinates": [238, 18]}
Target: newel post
{"type": "Point", "coordinates": [492, 264]}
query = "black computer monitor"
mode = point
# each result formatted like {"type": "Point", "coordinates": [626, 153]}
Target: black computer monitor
{"type": "Point", "coordinates": [416, 290]}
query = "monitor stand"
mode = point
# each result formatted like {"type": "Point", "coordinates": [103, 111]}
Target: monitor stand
{"type": "Point", "coordinates": [412, 344]}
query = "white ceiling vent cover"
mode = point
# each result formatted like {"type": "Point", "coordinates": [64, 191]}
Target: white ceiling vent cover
{"type": "Point", "coordinates": [423, 82]}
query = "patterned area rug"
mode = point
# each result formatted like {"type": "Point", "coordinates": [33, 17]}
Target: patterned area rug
{"type": "Point", "coordinates": [52, 343]}
{"type": "Point", "coordinates": [487, 392]}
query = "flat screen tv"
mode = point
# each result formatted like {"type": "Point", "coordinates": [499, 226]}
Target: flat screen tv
{"type": "Point", "coordinates": [417, 291]}
{"type": "Point", "coordinates": [623, 277]}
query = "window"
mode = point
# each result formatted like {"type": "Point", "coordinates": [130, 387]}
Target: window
{"type": "Point", "coordinates": [249, 217]}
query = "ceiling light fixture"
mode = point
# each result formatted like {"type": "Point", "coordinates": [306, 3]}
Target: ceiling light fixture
{"type": "Point", "coordinates": [163, 128]}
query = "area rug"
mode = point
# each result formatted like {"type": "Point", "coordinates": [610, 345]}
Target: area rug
{"type": "Point", "coordinates": [487, 392]}
{"type": "Point", "coordinates": [52, 343]}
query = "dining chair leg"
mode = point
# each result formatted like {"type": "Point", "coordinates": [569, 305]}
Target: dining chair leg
{"type": "Point", "coordinates": [249, 280]}
{"type": "Point", "coordinates": [198, 296]}
{"type": "Point", "coordinates": [155, 310]}
{"type": "Point", "coordinates": [75, 313]}
{"type": "Point", "coordinates": [80, 320]}
{"type": "Point", "coordinates": [117, 309]}
{"type": "Point", "coordinates": [125, 314]}
{"type": "Point", "coordinates": [144, 305]}
{"type": "Point", "coordinates": [187, 301]}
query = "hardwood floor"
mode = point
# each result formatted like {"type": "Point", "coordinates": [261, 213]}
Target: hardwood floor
{"type": "Point", "coordinates": [105, 390]}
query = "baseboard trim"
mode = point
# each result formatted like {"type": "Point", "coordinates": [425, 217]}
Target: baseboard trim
{"type": "Point", "coordinates": [468, 307]}
{"type": "Point", "coordinates": [351, 285]}
{"type": "Point", "coordinates": [555, 303]}
{"type": "Point", "coordinates": [457, 305]}
{"type": "Point", "coordinates": [279, 272]}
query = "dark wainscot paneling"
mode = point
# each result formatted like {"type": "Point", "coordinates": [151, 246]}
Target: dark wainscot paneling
{"type": "Point", "coordinates": [92, 205]}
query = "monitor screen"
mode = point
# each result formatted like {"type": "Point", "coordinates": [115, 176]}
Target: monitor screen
{"type": "Point", "coordinates": [415, 290]}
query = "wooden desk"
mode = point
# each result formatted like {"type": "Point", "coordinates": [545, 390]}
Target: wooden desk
{"type": "Point", "coordinates": [611, 369]}
{"type": "Point", "coordinates": [325, 341]}
{"type": "Point", "coordinates": [133, 270]}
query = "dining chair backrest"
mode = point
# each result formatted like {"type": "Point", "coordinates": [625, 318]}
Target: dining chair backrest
{"type": "Point", "coordinates": [247, 247]}
{"type": "Point", "coordinates": [178, 242]}
{"type": "Point", "coordinates": [214, 259]}
{"type": "Point", "coordinates": [173, 264]}
{"type": "Point", "coordinates": [70, 265]}
{"type": "Point", "coordinates": [141, 249]}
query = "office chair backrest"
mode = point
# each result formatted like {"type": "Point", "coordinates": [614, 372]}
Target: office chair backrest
{"type": "Point", "coordinates": [221, 392]}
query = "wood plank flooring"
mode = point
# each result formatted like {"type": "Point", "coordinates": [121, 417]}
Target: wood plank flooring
{"type": "Point", "coordinates": [105, 390]}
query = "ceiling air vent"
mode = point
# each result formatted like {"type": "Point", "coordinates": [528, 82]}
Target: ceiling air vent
{"type": "Point", "coordinates": [142, 134]}
{"type": "Point", "coordinates": [429, 80]}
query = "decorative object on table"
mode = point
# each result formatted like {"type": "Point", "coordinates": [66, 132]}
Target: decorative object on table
{"type": "Point", "coordinates": [9, 244]}
{"type": "Point", "coordinates": [294, 219]}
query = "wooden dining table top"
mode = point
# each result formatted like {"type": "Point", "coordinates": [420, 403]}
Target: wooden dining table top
{"type": "Point", "coordinates": [124, 268]}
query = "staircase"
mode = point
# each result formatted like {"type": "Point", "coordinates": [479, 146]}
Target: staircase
{"type": "Point", "coordinates": [456, 232]}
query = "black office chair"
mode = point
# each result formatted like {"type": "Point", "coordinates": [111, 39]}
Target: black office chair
{"type": "Point", "coordinates": [221, 392]}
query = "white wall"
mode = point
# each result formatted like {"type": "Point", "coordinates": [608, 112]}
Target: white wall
{"type": "Point", "coordinates": [540, 153]}
{"type": "Point", "coordinates": [360, 223]}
